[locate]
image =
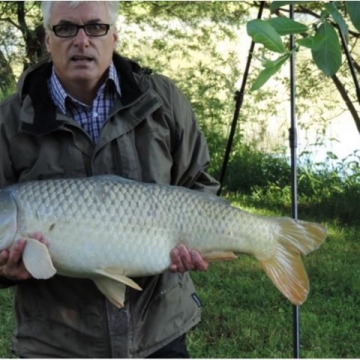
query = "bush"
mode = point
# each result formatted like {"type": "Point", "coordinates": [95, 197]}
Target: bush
{"type": "Point", "coordinates": [251, 169]}
{"type": "Point", "coordinates": [327, 190]}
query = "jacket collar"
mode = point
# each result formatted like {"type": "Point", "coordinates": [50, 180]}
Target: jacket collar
{"type": "Point", "coordinates": [38, 112]}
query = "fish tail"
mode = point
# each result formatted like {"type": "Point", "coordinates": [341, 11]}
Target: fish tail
{"type": "Point", "coordinates": [285, 268]}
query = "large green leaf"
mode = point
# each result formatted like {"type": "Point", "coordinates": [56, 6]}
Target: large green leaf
{"type": "Point", "coordinates": [328, 55]}
{"type": "Point", "coordinates": [262, 32]}
{"type": "Point", "coordinates": [286, 26]}
{"type": "Point", "coordinates": [271, 67]}
{"type": "Point", "coordinates": [333, 11]}
{"type": "Point", "coordinates": [353, 8]}
{"type": "Point", "coordinates": [312, 42]}
{"type": "Point", "coordinates": [278, 4]}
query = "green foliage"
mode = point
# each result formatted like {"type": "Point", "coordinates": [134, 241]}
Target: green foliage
{"type": "Point", "coordinates": [264, 33]}
{"type": "Point", "coordinates": [321, 37]}
{"type": "Point", "coordinates": [312, 42]}
{"type": "Point", "coordinates": [6, 322]}
{"type": "Point", "coordinates": [270, 68]}
{"type": "Point", "coordinates": [336, 15]}
{"type": "Point", "coordinates": [250, 169]}
{"type": "Point", "coordinates": [324, 191]}
{"type": "Point", "coordinates": [353, 8]}
{"type": "Point", "coordinates": [192, 44]}
{"type": "Point", "coordinates": [329, 48]}
{"type": "Point", "coordinates": [285, 26]}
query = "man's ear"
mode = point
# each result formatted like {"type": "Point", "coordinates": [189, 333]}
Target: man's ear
{"type": "Point", "coordinates": [115, 37]}
{"type": "Point", "coordinates": [47, 41]}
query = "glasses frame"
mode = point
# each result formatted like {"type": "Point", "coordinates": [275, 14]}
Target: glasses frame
{"type": "Point", "coordinates": [78, 27]}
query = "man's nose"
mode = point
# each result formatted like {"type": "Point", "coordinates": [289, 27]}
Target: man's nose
{"type": "Point", "coordinates": [81, 39]}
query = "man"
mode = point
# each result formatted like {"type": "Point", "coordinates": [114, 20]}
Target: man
{"type": "Point", "coordinates": [86, 112]}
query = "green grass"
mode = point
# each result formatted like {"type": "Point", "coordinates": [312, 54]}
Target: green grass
{"type": "Point", "coordinates": [244, 316]}
{"type": "Point", "coordinates": [6, 322]}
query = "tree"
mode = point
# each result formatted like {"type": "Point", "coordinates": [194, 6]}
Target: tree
{"type": "Point", "coordinates": [327, 32]}
{"type": "Point", "coordinates": [22, 38]}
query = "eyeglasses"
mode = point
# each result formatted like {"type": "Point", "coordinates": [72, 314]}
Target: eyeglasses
{"type": "Point", "coordinates": [71, 30]}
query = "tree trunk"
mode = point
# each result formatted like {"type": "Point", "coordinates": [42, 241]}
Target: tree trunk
{"type": "Point", "coordinates": [7, 77]}
{"type": "Point", "coordinates": [34, 39]}
{"type": "Point", "coordinates": [347, 100]}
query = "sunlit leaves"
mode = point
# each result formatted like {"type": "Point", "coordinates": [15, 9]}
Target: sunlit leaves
{"type": "Point", "coordinates": [312, 42]}
{"type": "Point", "coordinates": [268, 33]}
{"type": "Point", "coordinates": [328, 55]}
{"type": "Point", "coordinates": [270, 68]}
{"type": "Point", "coordinates": [353, 9]}
{"type": "Point", "coordinates": [338, 18]}
{"type": "Point", "coordinates": [286, 26]}
{"type": "Point", "coordinates": [262, 32]}
{"type": "Point", "coordinates": [321, 37]}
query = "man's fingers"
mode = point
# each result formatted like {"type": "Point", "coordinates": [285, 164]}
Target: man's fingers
{"type": "Point", "coordinates": [13, 268]}
{"type": "Point", "coordinates": [4, 255]}
{"type": "Point", "coordinates": [39, 236]}
{"type": "Point", "coordinates": [198, 261]}
{"type": "Point", "coordinates": [11, 262]}
{"type": "Point", "coordinates": [177, 264]}
{"type": "Point", "coordinates": [184, 260]}
{"type": "Point", "coordinates": [16, 252]}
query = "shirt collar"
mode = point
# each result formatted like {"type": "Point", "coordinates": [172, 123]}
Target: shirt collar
{"type": "Point", "coordinates": [60, 95]}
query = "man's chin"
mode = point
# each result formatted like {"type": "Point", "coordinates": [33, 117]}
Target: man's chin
{"type": "Point", "coordinates": [83, 77]}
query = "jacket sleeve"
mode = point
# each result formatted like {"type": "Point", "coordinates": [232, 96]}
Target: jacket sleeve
{"type": "Point", "coordinates": [190, 151]}
{"type": "Point", "coordinates": [7, 177]}
{"type": "Point", "coordinates": [7, 172]}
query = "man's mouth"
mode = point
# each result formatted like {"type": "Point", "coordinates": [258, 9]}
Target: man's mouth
{"type": "Point", "coordinates": [82, 58]}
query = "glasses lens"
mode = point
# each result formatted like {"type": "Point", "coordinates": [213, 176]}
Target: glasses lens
{"type": "Point", "coordinates": [65, 30]}
{"type": "Point", "coordinates": [96, 29]}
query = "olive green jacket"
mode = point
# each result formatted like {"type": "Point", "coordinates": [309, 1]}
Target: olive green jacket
{"type": "Point", "coordinates": [151, 135]}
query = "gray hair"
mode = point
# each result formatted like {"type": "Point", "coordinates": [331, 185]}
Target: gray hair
{"type": "Point", "coordinates": [112, 8]}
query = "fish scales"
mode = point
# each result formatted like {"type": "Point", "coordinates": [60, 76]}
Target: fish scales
{"type": "Point", "coordinates": [108, 229]}
{"type": "Point", "coordinates": [85, 214]}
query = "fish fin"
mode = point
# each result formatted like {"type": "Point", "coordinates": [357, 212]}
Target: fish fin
{"type": "Point", "coordinates": [113, 273]}
{"type": "Point", "coordinates": [37, 260]}
{"type": "Point", "coordinates": [285, 268]}
{"type": "Point", "coordinates": [112, 290]}
{"type": "Point", "coordinates": [218, 256]}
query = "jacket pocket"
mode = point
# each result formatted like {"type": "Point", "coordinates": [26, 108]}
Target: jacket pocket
{"type": "Point", "coordinates": [170, 312]}
{"type": "Point", "coordinates": [46, 157]}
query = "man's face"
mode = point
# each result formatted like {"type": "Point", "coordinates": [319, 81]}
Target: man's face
{"type": "Point", "coordinates": [81, 58]}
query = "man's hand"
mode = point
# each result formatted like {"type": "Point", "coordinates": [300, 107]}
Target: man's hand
{"type": "Point", "coordinates": [184, 260]}
{"type": "Point", "coordinates": [11, 264]}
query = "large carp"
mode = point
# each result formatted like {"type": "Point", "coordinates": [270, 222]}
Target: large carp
{"type": "Point", "coordinates": [109, 229]}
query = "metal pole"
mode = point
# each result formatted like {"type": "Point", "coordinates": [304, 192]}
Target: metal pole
{"type": "Point", "coordinates": [239, 98]}
{"type": "Point", "coordinates": [293, 148]}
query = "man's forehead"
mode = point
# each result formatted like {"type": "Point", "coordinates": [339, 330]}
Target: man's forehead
{"type": "Point", "coordinates": [87, 11]}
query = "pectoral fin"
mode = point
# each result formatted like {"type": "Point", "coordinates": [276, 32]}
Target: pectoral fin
{"type": "Point", "coordinates": [112, 283]}
{"type": "Point", "coordinates": [115, 274]}
{"type": "Point", "coordinates": [112, 289]}
{"type": "Point", "coordinates": [218, 256]}
{"type": "Point", "coordinates": [37, 260]}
